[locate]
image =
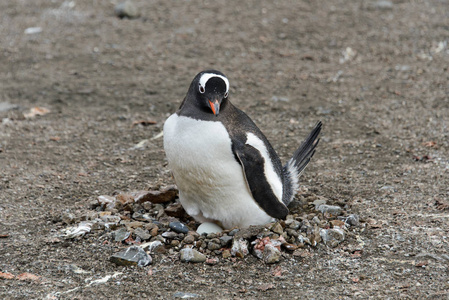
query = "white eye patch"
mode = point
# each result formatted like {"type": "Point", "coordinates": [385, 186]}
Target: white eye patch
{"type": "Point", "coordinates": [206, 76]}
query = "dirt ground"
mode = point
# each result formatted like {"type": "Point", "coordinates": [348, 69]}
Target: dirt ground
{"type": "Point", "coordinates": [374, 72]}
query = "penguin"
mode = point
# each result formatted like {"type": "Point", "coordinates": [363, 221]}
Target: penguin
{"type": "Point", "coordinates": [226, 170]}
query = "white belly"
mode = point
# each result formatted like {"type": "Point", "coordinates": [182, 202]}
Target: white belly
{"type": "Point", "coordinates": [211, 183]}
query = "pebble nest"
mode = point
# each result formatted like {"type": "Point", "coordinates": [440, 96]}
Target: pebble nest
{"type": "Point", "coordinates": [149, 223]}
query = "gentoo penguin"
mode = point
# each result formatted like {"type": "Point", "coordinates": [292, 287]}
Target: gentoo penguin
{"type": "Point", "coordinates": [225, 169]}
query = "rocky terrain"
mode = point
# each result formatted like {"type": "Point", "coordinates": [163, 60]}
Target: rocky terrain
{"type": "Point", "coordinates": [88, 207]}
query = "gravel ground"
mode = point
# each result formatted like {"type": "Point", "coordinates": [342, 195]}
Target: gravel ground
{"type": "Point", "coordinates": [83, 98]}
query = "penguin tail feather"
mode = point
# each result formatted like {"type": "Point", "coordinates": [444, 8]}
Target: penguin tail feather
{"type": "Point", "coordinates": [295, 166]}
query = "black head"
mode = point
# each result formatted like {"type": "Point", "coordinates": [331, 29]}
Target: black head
{"type": "Point", "coordinates": [209, 88]}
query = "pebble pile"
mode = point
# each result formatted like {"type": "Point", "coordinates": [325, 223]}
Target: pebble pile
{"type": "Point", "coordinates": [154, 223]}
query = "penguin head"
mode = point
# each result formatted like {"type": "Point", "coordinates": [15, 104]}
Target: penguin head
{"type": "Point", "coordinates": [210, 88]}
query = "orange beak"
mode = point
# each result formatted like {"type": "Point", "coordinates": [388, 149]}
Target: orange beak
{"type": "Point", "coordinates": [215, 107]}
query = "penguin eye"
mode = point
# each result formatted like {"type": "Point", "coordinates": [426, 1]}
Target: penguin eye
{"type": "Point", "coordinates": [226, 95]}
{"type": "Point", "coordinates": [202, 90]}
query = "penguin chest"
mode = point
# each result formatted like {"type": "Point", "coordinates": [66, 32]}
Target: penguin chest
{"type": "Point", "coordinates": [211, 182]}
{"type": "Point", "coordinates": [200, 156]}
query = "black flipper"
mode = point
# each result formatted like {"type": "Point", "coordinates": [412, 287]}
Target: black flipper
{"type": "Point", "coordinates": [253, 163]}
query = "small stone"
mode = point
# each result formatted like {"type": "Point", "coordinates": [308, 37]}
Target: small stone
{"type": "Point", "coordinates": [125, 199]}
{"type": "Point", "coordinates": [191, 255]}
{"type": "Point", "coordinates": [251, 231]}
{"type": "Point", "coordinates": [178, 227]}
{"type": "Point", "coordinates": [293, 224]}
{"type": "Point", "coordinates": [153, 247]}
{"type": "Point", "coordinates": [277, 228]}
{"type": "Point", "coordinates": [214, 244]}
{"type": "Point", "coordinates": [212, 261]}
{"type": "Point", "coordinates": [332, 237]}
{"type": "Point", "coordinates": [104, 213]}
{"type": "Point", "coordinates": [290, 247]}
{"type": "Point", "coordinates": [175, 243]}
{"type": "Point", "coordinates": [142, 233]}
{"type": "Point", "coordinates": [331, 209]}
{"type": "Point", "coordinates": [306, 227]}
{"type": "Point", "coordinates": [208, 227]}
{"type": "Point", "coordinates": [239, 248]}
{"type": "Point", "coordinates": [271, 254]}
{"type": "Point", "coordinates": [126, 10]}
{"type": "Point", "coordinates": [132, 256]}
{"type": "Point", "coordinates": [148, 206]}
{"type": "Point", "coordinates": [110, 219]}
{"type": "Point", "coordinates": [233, 232]}
{"type": "Point", "coordinates": [337, 223]}
{"type": "Point", "coordinates": [107, 202]}
{"type": "Point", "coordinates": [175, 210]}
{"type": "Point", "coordinates": [353, 220]}
{"type": "Point", "coordinates": [164, 195]}
{"type": "Point", "coordinates": [225, 240]}
{"type": "Point", "coordinates": [121, 234]}
{"type": "Point", "coordinates": [189, 239]}
{"type": "Point", "coordinates": [318, 203]}
{"type": "Point", "coordinates": [183, 295]}
{"type": "Point", "coordinates": [135, 224]}
{"type": "Point", "coordinates": [211, 235]}
{"type": "Point", "coordinates": [154, 231]}
{"type": "Point", "coordinates": [141, 217]}
{"type": "Point", "coordinates": [98, 225]}
{"type": "Point", "coordinates": [170, 235]}
{"type": "Point", "coordinates": [316, 220]}
{"type": "Point", "coordinates": [292, 232]}
{"type": "Point", "coordinates": [226, 254]}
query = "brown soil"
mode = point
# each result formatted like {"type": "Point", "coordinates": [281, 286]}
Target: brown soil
{"type": "Point", "coordinates": [375, 74]}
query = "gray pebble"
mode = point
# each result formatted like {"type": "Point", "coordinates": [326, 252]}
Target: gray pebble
{"type": "Point", "coordinates": [331, 209]}
{"type": "Point", "coordinates": [271, 254]}
{"type": "Point", "coordinates": [292, 232]}
{"type": "Point", "coordinates": [169, 235]}
{"type": "Point", "coordinates": [178, 227]}
{"type": "Point", "coordinates": [126, 10]}
{"type": "Point", "coordinates": [142, 233]}
{"type": "Point", "coordinates": [152, 246]}
{"type": "Point", "coordinates": [211, 235]}
{"type": "Point", "coordinates": [225, 240]}
{"type": "Point", "coordinates": [191, 255]}
{"type": "Point", "coordinates": [353, 220]}
{"type": "Point", "coordinates": [293, 224]}
{"type": "Point", "coordinates": [132, 256]}
{"type": "Point", "coordinates": [316, 220]}
{"type": "Point", "coordinates": [121, 234]}
{"type": "Point", "coordinates": [111, 219]}
{"type": "Point", "coordinates": [318, 202]}
{"type": "Point", "coordinates": [332, 237]}
{"type": "Point", "coordinates": [233, 232]}
{"type": "Point", "coordinates": [214, 244]}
